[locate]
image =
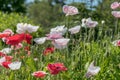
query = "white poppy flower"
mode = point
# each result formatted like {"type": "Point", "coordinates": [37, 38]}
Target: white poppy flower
{"type": "Point", "coordinates": [23, 28]}
{"type": "Point", "coordinates": [83, 22]}
{"type": "Point", "coordinates": [92, 70]}
{"type": "Point", "coordinates": [40, 40]}
{"type": "Point", "coordinates": [60, 43]}
{"type": "Point", "coordinates": [89, 23]}
{"type": "Point", "coordinates": [15, 65]}
{"type": "Point", "coordinates": [70, 10]}
{"type": "Point", "coordinates": [58, 29]}
{"type": "Point", "coordinates": [75, 29]}
{"type": "Point", "coordinates": [3, 59]}
{"type": "Point", "coordinates": [6, 50]}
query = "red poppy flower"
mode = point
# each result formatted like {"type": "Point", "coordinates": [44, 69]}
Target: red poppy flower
{"type": "Point", "coordinates": [27, 38]}
{"type": "Point", "coordinates": [27, 48]}
{"type": "Point", "coordinates": [2, 54]}
{"type": "Point", "coordinates": [5, 64]}
{"type": "Point", "coordinates": [8, 58]}
{"type": "Point", "coordinates": [55, 68]}
{"type": "Point", "coordinates": [49, 50]}
{"type": "Point", "coordinates": [15, 39]}
{"type": "Point", "coordinates": [2, 35]}
{"type": "Point", "coordinates": [18, 38]}
{"type": "Point", "coordinates": [39, 74]}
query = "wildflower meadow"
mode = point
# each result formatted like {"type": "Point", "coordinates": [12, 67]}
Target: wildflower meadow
{"type": "Point", "coordinates": [85, 51]}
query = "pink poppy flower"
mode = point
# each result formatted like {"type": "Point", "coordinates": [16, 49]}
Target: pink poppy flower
{"type": "Point", "coordinates": [70, 10]}
{"type": "Point", "coordinates": [54, 36]}
{"type": "Point", "coordinates": [115, 5]}
{"type": "Point", "coordinates": [39, 74]}
{"type": "Point", "coordinates": [55, 68]}
{"type": "Point", "coordinates": [116, 14]}
{"type": "Point", "coordinates": [60, 43]}
{"type": "Point", "coordinates": [8, 31]}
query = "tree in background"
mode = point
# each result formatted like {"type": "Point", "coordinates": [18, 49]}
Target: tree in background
{"type": "Point", "coordinates": [46, 12]}
{"type": "Point", "coordinates": [12, 6]}
{"type": "Point", "coordinates": [49, 13]}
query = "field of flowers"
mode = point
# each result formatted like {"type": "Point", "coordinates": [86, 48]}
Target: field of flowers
{"type": "Point", "coordinates": [65, 53]}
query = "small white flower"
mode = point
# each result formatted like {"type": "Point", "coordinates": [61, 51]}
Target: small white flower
{"type": "Point", "coordinates": [102, 21]}
{"type": "Point", "coordinates": [75, 29]}
{"type": "Point", "coordinates": [6, 50]}
{"type": "Point", "coordinates": [40, 40]}
{"type": "Point", "coordinates": [58, 29]}
{"type": "Point", "coordinates": [35, 59]}
{"type": "Point", "coordinates": [92, 70]}
{"type": "Point", "coordinates": [61, 43]}
{"type": "Point", "coordinates": [15, 65]}
{"type": "Point", "coordinates": [23, 28]}
{"type": "Point", "coordinates": [83, 22]}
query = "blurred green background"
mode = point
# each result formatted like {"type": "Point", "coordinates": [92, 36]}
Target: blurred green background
{"type": "Point", "coordinates": [48, 13]}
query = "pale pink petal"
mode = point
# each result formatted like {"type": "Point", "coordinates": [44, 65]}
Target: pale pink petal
{"type": "Point", "coordinates": [92, 70]}
{"type": "Point", "coordinates": [74, 30]}
{"type": "Point", "coordinates": [60, 43]}
{"type": "Point", "coordinates": [54, 36]}
{"type": "Point", "coordinates": [116, 14]}
{"type": "Point", "coordinates": [70, 10]}
{"type": "Point", "coordinates": [115, 5]}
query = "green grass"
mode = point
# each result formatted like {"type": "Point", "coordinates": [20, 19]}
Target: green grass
{"type": "Point", "coordinates": [79, 53]}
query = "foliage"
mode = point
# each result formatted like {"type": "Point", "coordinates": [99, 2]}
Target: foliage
{"type": "Point", "coordinates": [12, 6]}
{"type": "Point", "coordinates": [11, 20]}
{"type": "Point", "coordinates": [76, 57]}
{"type": "Point", "coordinates": [94, 44]}
{"type": "Point", "coordinates": [48, 16]}
{"type": "Point", "coordinates": [44, 13]}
